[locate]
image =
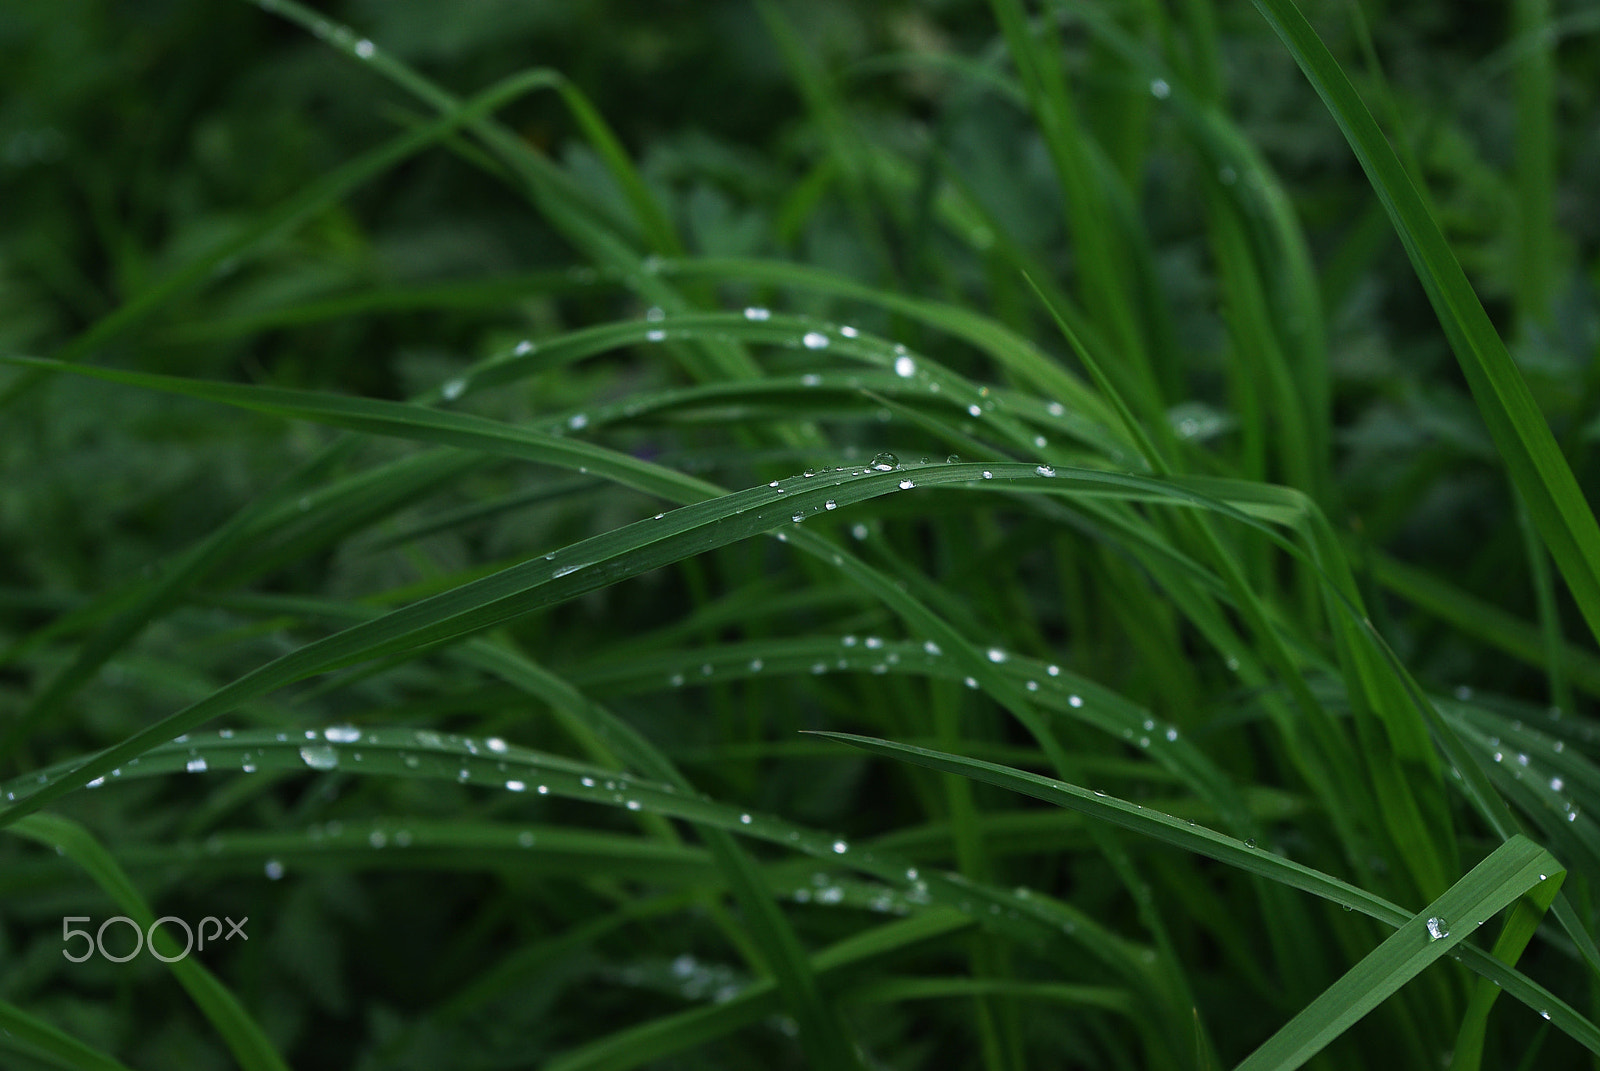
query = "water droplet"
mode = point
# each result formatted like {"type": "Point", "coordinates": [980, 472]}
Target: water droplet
{"type": "Point", "coordinates": [366, 49]}
{"type": "Point", "coordinates": [996, 654]}
{"type": "Point", "coordinates": [274, 870]}
{"type": "Point", "coordinates": [931, 647]}
{"type": "Point", "coordinates": [634, 805]}
{"type": "Point", "coordinates": [1543, 1014]}
{"type": "Point", "coordinates": [1056, 409]}
{"type": "Point", "coordinates": [1040, 441]}
{"type": "Point", "coordinates": [1074, 700]}
{"type": "Point", "coordinates": [1438, 928]}
{"type": "Point", "coordinates": [1159, 89]}
{"type": "Point", "coordinates": [320, 757]}
{"type": "Point", "coordinates": [885, 462]}
{"type": "Point", "coordinates": [745, 819]}
{"type": "Point", "coordinates": [1033, 686]}
{"type": "Point", "coordinates": [849, 332]}
{"type": "Point", "coordinates": [874, 642]}
{"type": "Point", "coordinates": [577, 421]}
{"type": "Point", "coordinates": [342, 734]}
{"type": "Point", "coordinates": [1463, 692]}
{"type": "Point", "coordinates": [858, 531]}
{"type": "Point", "coordinates": [905, 367]}
{"type": "Point", "coordinates": [840, 847]}
{"type": "Point", "coordinates": [515, 786]}
{"type": "Point", "coordinates": [96, 783]}
{"type": "Point", "coordinates": [525, 839]}
{"type": "Point", "coordinates": [971, 682]}
{"type": "Point", "coordinates": [1557, 784]}
{"type": "Point", "coordinates": [953, 459]}
{"type": "Point", "coordinates": [1250, 842]}
{"type": "Point", "coordinates": [453, 389]}
{"type": "Point", "coordinates": [973, 410]}
{"type": "Point", "coordinates": [814, 340]}
{"type": "Point", "coordinates": [830, 504]}
{"type": "Point", "coordinates": [655, 335]}
{"type": "Point", "coordinates": [568, 570]}
{"type": "Point", "coordinates": [756, 312]}
{"type": "Point", "coordinates": [907, 484]}
{"type": "Point", "coordinates": [797, 517]}
{"type": "Point", "coordinates": [196, 765]}
{"type": "Point", "coordinates": [1172, 734]}
{"type": "Point", "coordinates": [1044, 470]}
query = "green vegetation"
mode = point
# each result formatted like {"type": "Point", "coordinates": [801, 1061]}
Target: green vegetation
{"type": "Point", "coordinates": [830, 535]}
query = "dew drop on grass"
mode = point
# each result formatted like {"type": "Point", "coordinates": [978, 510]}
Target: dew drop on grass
{"type": "Point", "coordinates": [1250, 842]}
{"type": "Point", "coordinates": [756, 312]}
{"type": "Point", "coordinates": [884, 462]}
{"type": "Point", "coordinates": [634, 805]}
{"type": "Point", "coordinates": [322, 757]}
{"type": "Point", "coordinates": [1075, 700]}
{"type": "Point", "coordinates": [543, 790]}
{"type": "Point", "coordinates": [745, 819]}
{"type": "Point", "coordinates": [830, 504]}
{"type": "Point", "coordinates": [971, 682]}
{"type": "Point", "coordinates": [797, 517]}
{"type": "Point", "coordinates": [931, 647]}
{"type": "Point", "coordinates": [953, 459]}
{"type": "Point", "coordinates": [849, 332]}
{"type": "Point", "coordinates": [905, 367]}
{"type": "Point", "coordinates": [342, 734]}
{"type": "Point", "coordinates": [996, 655]}
{"type": "Point", "coordinates": [1438, 928]}
{"type": "Point", "coordinates": [1159, 89]}
{"type": "Point", "coordinates": [973, 410]}
{"type": "Point", "coordinates": [1556, 784]}
{"type": "Point", "coordinates": [1044, 470]}
{"type": "Point", "coordinates": [525, 839]}
{"type": "Point", "coordinates": [96, 783]}
{"type": "Point", "coordinates": [497, 745]}
{"type": "Point", "coordinates": [377, 838]}
{"type": "Point", "coordinates": [366, 49]}
{"type": "Point", "coordinates": [587, 782]}
{"type": "Point", "coordinates": [814, 340]}
{"type": "Point", "coordinates": [858, 531]}
{"type": "Point", "coordinates": [907, 484]}
{"type": "Point", "coordinates": [578, 421]}
{"type": "Point", "coordinates": [840, 847]}
{"type": "Point", "coordinates": [568, 570]}
{"type": "Point", "coordinates": [524, 348]}
{"type": "Point", "coordinates": [274, 870]}
{"type": "Point", "coordinates": [1033, 686]}
{"type": "Point", "coordinates": [1056, 409]}
{"type": "Point", "coordinates": [811, 379]}
{"type": "Point", "coordinates": [196, 765]}
{"type": "Point", "coordinates": [655, 335]}
{"type": "Point", "coordinates": [515, 786]}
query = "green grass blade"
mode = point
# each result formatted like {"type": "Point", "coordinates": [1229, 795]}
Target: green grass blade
{"type": "Point", "coordinates": [216, 1002]}
{"type": "Point", "coordinates": [1532, 458]}
{"type": "Point", "coordinates": [1514, 868]}
{"type": "Point", "coordinates": [31, 1037]}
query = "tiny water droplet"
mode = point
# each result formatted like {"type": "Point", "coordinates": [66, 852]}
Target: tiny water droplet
{"type": "Point", "coordinates": [1044, 470]}
{"type": "Point", "coordinates": [1074, 700]}
{"type": "Point", "coordinates": [1159, 89]}
{"type": "Point", "coordinates": [655, 335]}
{"type": "Point", "coordinates": [577, 421]}
{"type": "Point", "coordinates": [515, 786]}
{"type": "Point", "coordinates": [814, 340]}
{"type": "Point", "coordinates": [953, 459]}
{"type": "Point", "coordinates": [196, 765]}
{"type": "Point", "coordinates": [1438, 928]}
{"type": "Point", "coordinates": [905, 367]}
{"type": "Point", "coordinates": [849, 332]}
{"type": "Point", "coordinates": [907, 484]}
{"type": "Point", "coordinates": [884, 462]}
{"type": "Point", "coordinates": [320, 757]}
{"type": "Point", "coordinates": [365, 49]}
{"type": "Point", "coordinates": [756, 312]}
{"type": "Point", "coordinates": [973, 410]}
{"type": "Point", "coordinates": [525, 839]}
{"type": "Point", "coordinates": [971, 682]}
{"type": "Point", "coordinates": [1557, 784]}
{"type": "Point", "coordinates": [1250, 842]}
{"type": "Point", "coordinates": [830, 504]}
{"type": "Point", "coordinates": [342, 734]}
{"type": "Point", "coordinates": [931, 647]}
{"type": "Point", "coordinates": [840, 847]}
